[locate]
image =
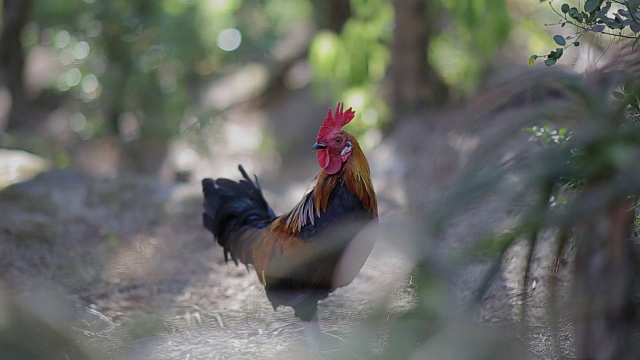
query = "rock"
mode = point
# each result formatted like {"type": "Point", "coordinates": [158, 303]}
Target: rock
{"type": "Point", "coordinates": [18, 165]}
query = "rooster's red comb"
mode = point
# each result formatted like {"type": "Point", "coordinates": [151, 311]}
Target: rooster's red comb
{"type": "Point", "coordinates": [335, 122]}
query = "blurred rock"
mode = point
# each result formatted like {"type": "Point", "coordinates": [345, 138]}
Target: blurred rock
{"type": "Point", "coordinates": [17, 166]}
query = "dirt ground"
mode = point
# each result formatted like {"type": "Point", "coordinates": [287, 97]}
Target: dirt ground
{"type": "Point", "coordinates": [121, 268]}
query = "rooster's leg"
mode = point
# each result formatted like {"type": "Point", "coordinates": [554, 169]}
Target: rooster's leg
{"type": "Point", "coordinates": [317, 339]}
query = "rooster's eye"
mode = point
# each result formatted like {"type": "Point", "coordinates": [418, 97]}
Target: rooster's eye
{"type": "Point", "coordinates": [338, 140]}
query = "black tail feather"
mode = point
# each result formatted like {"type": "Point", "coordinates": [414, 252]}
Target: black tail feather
{"type": "Point", "coordinates": [211, 203]}
{"type": "Point", "coordinates": [230, 206]}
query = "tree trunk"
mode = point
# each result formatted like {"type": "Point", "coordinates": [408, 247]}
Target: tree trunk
{"type": "Point", "coordinates": [414, 82]}
{"type": "Point", "coordinates": [15, 16]}
{"type": "Point", "coordinates": [604, 285]}
{"type": "Point", "coordinates": [331, 14]}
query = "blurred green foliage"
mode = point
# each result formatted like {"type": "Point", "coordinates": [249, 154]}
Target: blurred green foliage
{"type": "Point", "coordinates": [138, 69]}
{"type": "Point", "coordinates": [466, 49]}
{"type": "Point", "coordinates": [133, 66]}
{"type": "Point", "coordinates": [353, 63]}
{"type": "Point", "coordinates": [583, 177]}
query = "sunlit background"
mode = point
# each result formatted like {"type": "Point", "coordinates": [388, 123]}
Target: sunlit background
{"type": "Point", "coordinates": [162, 86]}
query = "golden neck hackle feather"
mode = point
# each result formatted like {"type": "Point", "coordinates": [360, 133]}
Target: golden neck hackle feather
{"type": "Point", "coordinates": [356, 175]}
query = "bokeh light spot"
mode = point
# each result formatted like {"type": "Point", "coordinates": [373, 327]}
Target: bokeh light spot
{"type": "Point", "coordinates": [89, 83]}
{"type": "Point", "coordinates": [72, 77]}
{"type": "Point", "coordinates": [229, 39]}
{"type": "Point", "coordinates": [62, 39]}
{"type": "Point", "coordinates": [81, 50]}
{"type": "Point", "coordinates": [77, 122]}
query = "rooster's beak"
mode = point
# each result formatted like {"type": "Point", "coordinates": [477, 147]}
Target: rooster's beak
{"type": "Point", "coordinates": [318, 146]}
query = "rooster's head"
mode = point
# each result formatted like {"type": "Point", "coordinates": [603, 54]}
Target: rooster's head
{"type": "Point", "coordinates": [334, 145]}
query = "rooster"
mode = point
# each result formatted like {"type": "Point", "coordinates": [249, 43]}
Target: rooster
{"type": "Point", "coordinates": [303, 255]}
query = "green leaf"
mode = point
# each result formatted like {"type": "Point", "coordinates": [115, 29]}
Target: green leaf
{"type": "Point", "coordinates": [559, 39]}
{"type": "Point", "coordinates": [532, 59]}
{"type": "Point", "coordinates": [550, 62]}
{"type": "Point", "coordinates": [618, 95]}
{"type": "Point", "coordinates": [602, 14]}
{"type": "Point", "coordinates": [591, 5]}
{"type": "Point", "coordinates": [598, 28]}
{"type": "Point", "coordinates": [575, 15]}
{"type": "Point", "coordinates": [633, 4]}
{"type": "Point", "coordinates": [564, 8]}
{"type": "Point", "coordinates": [576, 43]}
{"type": "Point", "coordinates": [630, 87]}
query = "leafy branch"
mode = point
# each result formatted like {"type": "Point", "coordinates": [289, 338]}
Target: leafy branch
{"type": "Point", "coordinates": [595, 17]}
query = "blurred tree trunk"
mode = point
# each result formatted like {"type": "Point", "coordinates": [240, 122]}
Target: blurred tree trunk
{"type": "Point", "coordinates": [14, 18]}
{"type": "Point", "coordinates": [605, 284]}
{"type": "Point", "coordinates": [331, 14]}
{"type": "Point", "coordinates": [414, 82]}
